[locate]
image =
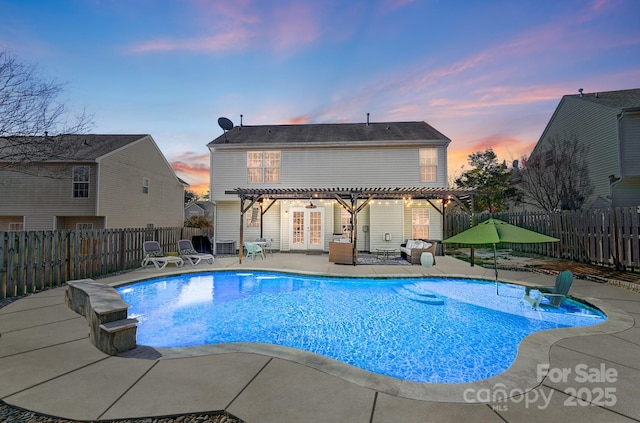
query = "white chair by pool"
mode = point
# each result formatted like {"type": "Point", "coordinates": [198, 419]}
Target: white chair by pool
{"type": "Point", "coordinates": [153, 255]}
{"type": "Point", "coordinates": [188, 253]}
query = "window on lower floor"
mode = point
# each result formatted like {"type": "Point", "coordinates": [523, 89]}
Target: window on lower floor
{"type": "Point", "coordinates": [253, 217]}
{"type": "Point", "coordinates": [345, 218]}
{"type": "Point", "coordinates": [16, 226]}
{"type": "Point", "coordinates": [420, 223]}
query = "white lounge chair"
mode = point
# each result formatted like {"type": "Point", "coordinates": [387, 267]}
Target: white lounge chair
{"type": "Point", "coordinates": [153, 255]}
{"type": "Point", "coordinates": [188, 253]}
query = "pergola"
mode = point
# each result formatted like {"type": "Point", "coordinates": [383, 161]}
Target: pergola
{"type": "Point", "coordinates": [351, 199]}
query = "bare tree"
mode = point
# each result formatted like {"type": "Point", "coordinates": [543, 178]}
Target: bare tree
{"type": "Point", "coordinates": [557, 178]}
{"type": "Point", "coordinates": [31, 115]}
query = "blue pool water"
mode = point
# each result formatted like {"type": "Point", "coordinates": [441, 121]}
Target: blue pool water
{"type": "Point", "coordinates": [437, 330]}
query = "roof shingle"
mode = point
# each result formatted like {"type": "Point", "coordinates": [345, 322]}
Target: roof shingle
{"type": "Point", "coordinates": [331, 133]}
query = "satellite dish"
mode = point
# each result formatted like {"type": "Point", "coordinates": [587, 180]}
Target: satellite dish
{"type": "Point", "coordinates": [225, 123]}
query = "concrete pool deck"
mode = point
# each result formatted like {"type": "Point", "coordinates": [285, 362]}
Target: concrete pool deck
{"type": "Point", "coordinates": [48, 365]}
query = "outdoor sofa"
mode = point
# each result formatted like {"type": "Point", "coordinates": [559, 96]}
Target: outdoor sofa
{"type": "Point", "coordinates": [412, 249]}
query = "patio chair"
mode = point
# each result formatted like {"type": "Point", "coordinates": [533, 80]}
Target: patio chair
{"type": "Point", "coordinates": [188, 253]}
{"type": "Point", "coordinates": [153, 255]}
{"type": "Point", "coordinates": [556, 294]}
{"type": "Point", "coordinates": [253, 249]}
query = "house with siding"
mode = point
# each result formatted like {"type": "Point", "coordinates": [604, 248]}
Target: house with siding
{"type": "Point", "coordinates": [275, 167]}
{"type": "Point", "coordinates": [103, 181]}
{"type": "Point", "coordinates": [205, 209]}
{"type": "Point", "coordinates": [607, 124]}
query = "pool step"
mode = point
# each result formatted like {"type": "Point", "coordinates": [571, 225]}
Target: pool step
{"type": "Point", "coordinates": [419, 294]}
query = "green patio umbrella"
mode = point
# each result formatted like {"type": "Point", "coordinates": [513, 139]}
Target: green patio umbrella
{"type": "Point", "coordinates": [494, 231]}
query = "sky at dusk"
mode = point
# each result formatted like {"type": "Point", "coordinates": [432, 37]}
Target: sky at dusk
{"type": "Point", "coordinates": [484, 73]}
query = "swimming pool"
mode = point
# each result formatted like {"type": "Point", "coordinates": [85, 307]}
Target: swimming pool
{"type": "Point", "coordinates": [436, 330]}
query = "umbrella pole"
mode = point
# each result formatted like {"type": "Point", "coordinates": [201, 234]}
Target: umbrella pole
{"type": "Point", "coordinates": [495, 266]}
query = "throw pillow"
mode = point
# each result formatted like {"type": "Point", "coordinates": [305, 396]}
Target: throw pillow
{"type": "Point", "coordinates": [189, 251]}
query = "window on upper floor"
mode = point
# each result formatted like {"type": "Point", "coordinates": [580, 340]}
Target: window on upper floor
{"type": "Point", "coordinates": [81, 176]}
{"type": "Point", "coordinates": [263, 167]}
{"type": "Point", "coordinates": [428, 164]}
{"type": "Point", "coordinates": [145, 185]}
{"type": "Point", "coordinates": [420, 223]}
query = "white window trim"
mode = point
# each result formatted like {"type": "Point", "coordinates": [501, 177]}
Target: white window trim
{"type": "Point", "coordinates": [74, 181]}
{"type": "Point", "coordinates": [145, 185]}
{"type": "Point", "coordinates": [433, 165]}
{"type": "Point", "coordinates": [263, 168]}
{"type": "Point", "coordinates": [413, 225]}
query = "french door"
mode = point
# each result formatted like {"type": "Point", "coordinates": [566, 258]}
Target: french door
{"type": "Point", "coordinates": [306, 228]}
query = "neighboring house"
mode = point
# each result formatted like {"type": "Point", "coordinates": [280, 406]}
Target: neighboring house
{"type": "Point", "coordinates": [106, 181]}
{"type": "Point", "coordinates": [608, 125]}
{"type": "Point", "coordinates": [200, 208]}
{"type": "Point", "coordinates": [292, 175]}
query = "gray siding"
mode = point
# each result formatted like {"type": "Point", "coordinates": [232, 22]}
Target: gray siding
{"type": "Point", "coordinates": [386, 217]}
{"type": "Point", "coordinates": [435, 220]}
{"type": "Point", "coordinates": [121, 197]}
{"type": "Point", "coordinates": [328, 167]}
{"type": "Point", "coordinates": [596, 127]}
{"type": "Point", "coordinates": [40, 198]}
{"type": "Point", "coordinates": [630, 145]}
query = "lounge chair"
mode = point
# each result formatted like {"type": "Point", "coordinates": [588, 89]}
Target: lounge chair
{"type": "Point", "coordinates": [188, 253]}
{"type": "Point", "coordinates": [153, 255]}
{"type": "Point", "coordinates": [556, 294]}
{"type": "Point", "coordinates": [253, 249]}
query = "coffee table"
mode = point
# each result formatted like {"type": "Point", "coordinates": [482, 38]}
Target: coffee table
{"type": "Point", "coordinates": [387, 252]}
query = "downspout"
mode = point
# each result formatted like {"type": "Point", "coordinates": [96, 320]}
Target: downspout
{"type": "Point", "coordinates": [620, 172]}
{"type": "Point", "coordinates": [613, 181]}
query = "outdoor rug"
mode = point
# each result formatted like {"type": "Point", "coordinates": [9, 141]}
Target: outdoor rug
{"type": "Point", "coordinates": [365, 258]}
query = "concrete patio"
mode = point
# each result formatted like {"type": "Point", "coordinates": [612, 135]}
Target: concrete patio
{"type": "Point", "coordinates": [48, 365]}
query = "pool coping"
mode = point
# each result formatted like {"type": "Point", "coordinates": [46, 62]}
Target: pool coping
{"type": "Point", "coordinates": [524, 374]}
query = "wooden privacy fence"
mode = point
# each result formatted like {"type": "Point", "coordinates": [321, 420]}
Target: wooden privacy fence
{"type": "Point", "coordinates": [606, 237]}
{"type": "Point", "coordinates": [34, 260]}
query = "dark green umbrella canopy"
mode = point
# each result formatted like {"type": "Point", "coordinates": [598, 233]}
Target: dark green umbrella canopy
{"type": "Point", "coordinates": [494, 231]}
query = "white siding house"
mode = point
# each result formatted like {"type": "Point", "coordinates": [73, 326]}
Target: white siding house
{"type": "Point", "coordinates": [107, 181]}
{"type": "Point", "coordinates": [608, 125]}
{"type": "Point", "coordinates": [393, 155]}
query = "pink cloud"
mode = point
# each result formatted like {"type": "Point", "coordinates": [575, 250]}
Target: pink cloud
{"type": "Point", "coordinates": [294, 26]}
{"type": "Point", "coordinates": [299, 120]}
{"type": "Point", "coordinates": [235, 40]}
{"type": "Point", "coordinates": [194, 169]}
{"type": "Point", "coordinates": [237, 26]}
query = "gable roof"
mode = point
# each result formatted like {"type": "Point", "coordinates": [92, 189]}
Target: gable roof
{"type": "Point", "coordinates": [624, 99]}
{"type": "Point", "coordinates": [63, 148]}
{"type": "Point", "coordinates": [329, 133]}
